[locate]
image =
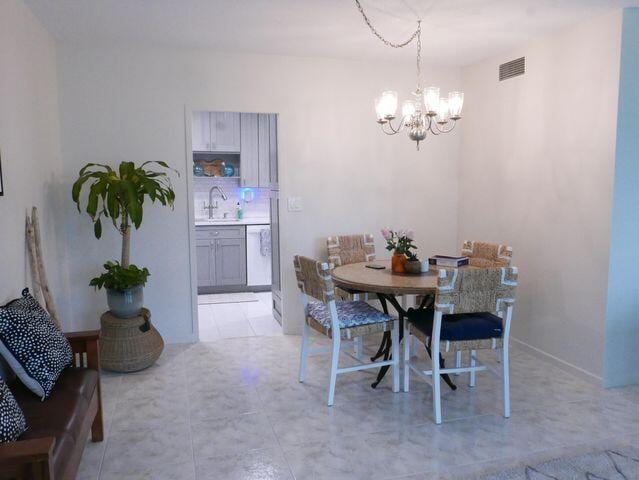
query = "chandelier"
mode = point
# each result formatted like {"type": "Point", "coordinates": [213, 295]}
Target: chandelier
{"type": "Point", "coordinates": [437, 115]}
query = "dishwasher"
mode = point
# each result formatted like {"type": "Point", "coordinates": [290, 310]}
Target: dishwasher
{"type": "Point", "coordinates": [258, 255]}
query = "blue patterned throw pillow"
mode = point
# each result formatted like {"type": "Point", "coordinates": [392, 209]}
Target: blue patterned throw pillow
{"type": "Point", "coordinates": [12, 421]}
{"type": "Point", "coordinates": [35, 349]}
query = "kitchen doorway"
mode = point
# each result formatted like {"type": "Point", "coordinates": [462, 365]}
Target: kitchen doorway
{"type": "Point", "coordinates": [234, 203]}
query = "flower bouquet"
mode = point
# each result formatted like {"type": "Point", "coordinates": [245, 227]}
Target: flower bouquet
{"type": "Point", "coordinates": [400, 242]}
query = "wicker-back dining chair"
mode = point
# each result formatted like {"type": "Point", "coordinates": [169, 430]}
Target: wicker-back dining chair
{"type": "Point", "coordinates": [472, 311]}
{"type": "Point", "coordinates": [340, 320]}
{"type": "Point", "coordinates": [346, 249]}
{"type": "Point", "coordinates": [483, 254]}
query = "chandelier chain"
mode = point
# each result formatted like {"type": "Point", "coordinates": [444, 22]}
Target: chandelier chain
{"type": "Point", "coordinates": [417, 35]}
{"type": "Point", "coordinates": [379, 35]}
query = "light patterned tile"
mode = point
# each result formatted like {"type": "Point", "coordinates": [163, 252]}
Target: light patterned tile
{"type": "Point", "coordinates": [173, 471]}
{"type": "Point", "coordinates": [236, 408]}
{"type": "Point", "coordinates": [233, 435]}
{"type": "Point", "coordinates": [142, 450]}
{"type": "Point", "coordinates": [266, 464]}
{"type": "Point", "coordinates": [222, 402]}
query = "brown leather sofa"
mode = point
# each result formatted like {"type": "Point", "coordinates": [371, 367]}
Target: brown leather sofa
{"type": "Point", "coordinates": [59, 427]}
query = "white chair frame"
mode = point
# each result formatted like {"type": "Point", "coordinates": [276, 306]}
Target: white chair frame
{"type": "Point", "coordinates": [337, 343]}
{"type": "Point", "coordinates": [433, 376]}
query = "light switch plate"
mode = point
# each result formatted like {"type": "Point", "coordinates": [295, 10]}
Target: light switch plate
{"type": "Point", "coordinates": [294, 204]}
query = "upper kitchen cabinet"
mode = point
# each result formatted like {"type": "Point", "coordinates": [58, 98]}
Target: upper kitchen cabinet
{"type": "Point", "coordinates": [249, 150]}
{"type": "Point", "coordinates": [258, 150]}
{"type": "Point", "coordinates": [225, 132]}
{"type": "Point", "coordinates": [216, 132]}
{"type": "Point", "coordinates": [274, 179]}
{"type": "Point", "coordinates": [201, 127]}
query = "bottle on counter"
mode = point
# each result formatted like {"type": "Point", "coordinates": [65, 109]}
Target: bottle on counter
{"type": "Point", "coordinates": [240, 212]}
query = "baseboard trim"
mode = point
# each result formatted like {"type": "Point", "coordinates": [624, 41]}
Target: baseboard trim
{"type": "Point", "coordinates": [574, 369]}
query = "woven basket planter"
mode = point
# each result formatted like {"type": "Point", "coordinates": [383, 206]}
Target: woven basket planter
{"type": "Point", "coordinates": [129, 344]}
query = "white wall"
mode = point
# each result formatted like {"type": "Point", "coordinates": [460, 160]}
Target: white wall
{"type": "Point", "coordinates": [536, 172]}
{"type": "Point", "coordinates": [29, 144]}
{"type": "Point", "coordinates": [128, 104]}
{"type": "Point", "coordinates": [622, 327]}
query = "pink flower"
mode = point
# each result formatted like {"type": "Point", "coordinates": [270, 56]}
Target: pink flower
{"type": "Point", "coordinates": [410, 234]}
{"type": "Point", "coordinates": [387, 234]}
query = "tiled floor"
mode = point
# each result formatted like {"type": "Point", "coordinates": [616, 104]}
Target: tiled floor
{"type": "Point", "coordinates": [243, 319]}
{"type": "Point", "coordinates": [233, 409]}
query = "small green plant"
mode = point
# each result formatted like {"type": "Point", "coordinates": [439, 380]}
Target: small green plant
{"type": "Point", "coordinates": [120, 278]}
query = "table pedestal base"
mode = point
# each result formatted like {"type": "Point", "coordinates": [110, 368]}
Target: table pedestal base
{"type": "Point", "coordinates": [385, 346]}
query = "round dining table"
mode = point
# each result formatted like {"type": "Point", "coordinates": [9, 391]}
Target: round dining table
{"type": "Point", "coordinates": [361, 278]}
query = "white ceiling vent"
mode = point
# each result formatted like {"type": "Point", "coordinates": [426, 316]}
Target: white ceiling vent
{"type": "Point", "coordinates": [511, 69]}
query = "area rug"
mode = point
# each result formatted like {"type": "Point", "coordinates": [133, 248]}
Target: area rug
{"type": "Point", "coordinates": [241, 297]}
{"type": "Point", "coordinates": [614, 464]}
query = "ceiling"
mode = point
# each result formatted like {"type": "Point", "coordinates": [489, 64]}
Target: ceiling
{"type": "Point", "coordinates": [455, 32]}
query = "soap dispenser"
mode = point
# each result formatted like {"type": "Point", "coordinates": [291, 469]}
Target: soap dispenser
{"type": "Point", "coordinates": [240, 212]}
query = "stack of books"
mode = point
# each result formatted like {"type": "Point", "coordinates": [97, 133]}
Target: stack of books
{"type": "Point", "coordinates": [447, 261]}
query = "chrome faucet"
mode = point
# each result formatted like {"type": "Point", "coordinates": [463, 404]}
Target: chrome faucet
{"type": "Point", "coordinates": [213, 206]}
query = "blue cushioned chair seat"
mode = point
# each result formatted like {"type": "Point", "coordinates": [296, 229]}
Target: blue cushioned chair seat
{"type": "Point", "coordinates": [350, 314]}
{"type": "Point", "coordinates": [458, 326]}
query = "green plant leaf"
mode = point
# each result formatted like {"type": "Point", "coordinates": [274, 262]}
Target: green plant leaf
{"type": "Point", "coordinates": [92, 205]}
{"type": "Point", "coordinates": [97, 228]}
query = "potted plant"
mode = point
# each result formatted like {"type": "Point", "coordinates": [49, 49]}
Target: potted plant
{"type": "Point", "coordinates": [120, 196]}
{"type": "Point", "coordinates": [400, 242]}
{"type": "Point", "coordinates": [124, 286]}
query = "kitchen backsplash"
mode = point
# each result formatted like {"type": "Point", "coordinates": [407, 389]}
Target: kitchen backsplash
{"type": "Point", "coordinates": [257, 208]}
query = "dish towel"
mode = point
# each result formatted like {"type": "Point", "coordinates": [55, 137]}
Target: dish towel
{"type": "Point", "coordinates": [265, 242]}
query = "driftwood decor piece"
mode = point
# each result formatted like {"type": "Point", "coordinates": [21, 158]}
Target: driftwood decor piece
{"type": "Point", "coordinates": [38, 270]}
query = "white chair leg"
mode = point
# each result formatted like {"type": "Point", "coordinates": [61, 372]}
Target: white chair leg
{"type": "Point", "coordinates": [506, 377]}
{"type": "Point", "coordinates": [358, 343]}
{"type": "Point", "coordinates": [407, 344]}
{"type": "Point", "coordinates": [304, 353]}
{"type": "Point", "coordinates": [334, 363]}
{"type": "Point", "coordinates": [473, 363]}
{"type": "Point", "coordinates": [498, 354]}
{"type": "Point", "coordinates": [395, 354]}
{"type": "Point", "coordinates": [437, 400]}
{"type": "Point", "coordinates": [458, 360]}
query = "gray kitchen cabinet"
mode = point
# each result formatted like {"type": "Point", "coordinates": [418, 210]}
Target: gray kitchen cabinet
{"type": "Point", "coordinates": [225, 132]}
{"type": "Point", "coordinates": [249, 150]}
{"type": "Point", "coordinates": [264, 150]}
{"type": "Point", "coordinates": [205, 261]}
{"type": "Point", "coordinates": [215, 132]}
{"type": "Point", "coordinates": [258, 152]}
{"type": "Point", "coordinates": [201, 131]}
{"type": "Point", "coordinates": [274, 180]}
{"type": "Point", "coordinates": [230, 261]}
{"type": "Point", "coordinates": [276, 281]}
{"type": "Point", "coordinates": [220, 255]}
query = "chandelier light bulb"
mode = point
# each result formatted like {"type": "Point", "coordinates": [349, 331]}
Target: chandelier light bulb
{"type": "Point", "coordinates": [442, 111]}
{"type": "Point", "coordinates": [378, 110]}
{"type": "Point", "coordinates": [455, 104]}
{"type": "Point", "coordinates": [388, 104]}
{"type": "Point", "coordinates": [408, 110]}
{"type": "Point", "coordinates": [431, 100]}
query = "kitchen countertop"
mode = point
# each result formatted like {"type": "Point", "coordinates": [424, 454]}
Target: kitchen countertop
{"type": "Point", "coordinates": [203, 222]}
